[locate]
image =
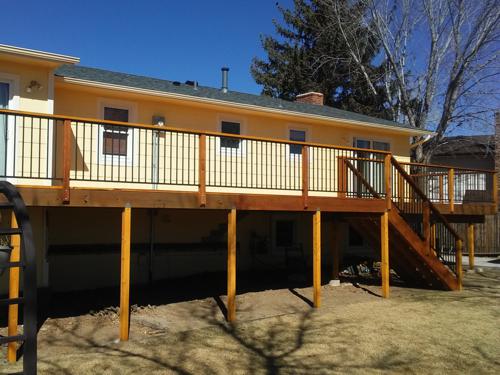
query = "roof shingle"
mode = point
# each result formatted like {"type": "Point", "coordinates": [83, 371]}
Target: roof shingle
{"type": "Point", "coordinates": [155, 84]}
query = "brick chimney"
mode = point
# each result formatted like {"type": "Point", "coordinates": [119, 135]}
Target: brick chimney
{"type": "Point", "coordinates": [311, 98]}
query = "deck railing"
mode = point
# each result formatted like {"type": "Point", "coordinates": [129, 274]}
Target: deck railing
{"type": "Point", "coordinates": [66, 150]}
{"type": "Point", "coordinates": [425, 218]}
{"type": "Point", "coordinates": [453, 185]}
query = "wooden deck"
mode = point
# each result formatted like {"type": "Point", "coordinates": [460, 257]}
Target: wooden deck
{"type": "Point", "coordinates": [406, 205]}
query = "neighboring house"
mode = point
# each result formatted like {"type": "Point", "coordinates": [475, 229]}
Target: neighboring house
{"type": "Point", "coordinates": [83, 143]}
{"type": "Point", "coordinates": [476, 152]}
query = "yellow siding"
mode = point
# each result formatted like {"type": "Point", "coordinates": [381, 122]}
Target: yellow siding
{"type": "Point", "coordinates": [85, 103]}
{"type": "Point", "coordinates": [37, 100]}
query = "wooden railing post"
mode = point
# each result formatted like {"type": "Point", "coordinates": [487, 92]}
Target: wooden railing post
{"type": "Point", "coordinates": [401, 190]}
{"type": "Point", "coordinates": [426, 223]}
{"type": "Point", "coordinates": [459, 263]}
{"type": "Point", "coordinates": [451, 188]}
{"type": "Point", "coordinates": [13, 314]}
{"type": "Point", "coordinates": [66, 165]}
{"type": "Point", "coordinates": [441, 189]}
{"type": "Point", "coordinates": [305, 175]}
{"type": "Point", "coordinates": [388, 180]}
{"type": "Point", "coordinates": [202, 169]}
{"type": "Point", "coordinates": [341, 176]}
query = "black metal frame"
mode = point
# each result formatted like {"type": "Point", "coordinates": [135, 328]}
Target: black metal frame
{"type": "Point", "coordinates": [28, 264]}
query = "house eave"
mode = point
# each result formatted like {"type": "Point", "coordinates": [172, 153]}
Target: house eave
{"type": "Point", "coordinates": [38, 55]}
{"type": "Point", "coordinates": [170, 95]}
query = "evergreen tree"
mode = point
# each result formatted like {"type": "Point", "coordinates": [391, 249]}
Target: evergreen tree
{"type": "Point", "coordinates": [309, 54]}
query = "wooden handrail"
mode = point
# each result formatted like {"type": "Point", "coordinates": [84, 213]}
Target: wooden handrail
{"type": "Point", "coordinates": [424, 197]}
{"type": "Point", "coordinates": [447, 167]}
{"type": "Point", "coordinates": [362, 179]}
{"type": "Point", "coordinates": [85, 120]}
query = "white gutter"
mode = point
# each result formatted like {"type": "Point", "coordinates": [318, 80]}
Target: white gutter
{"type": "Point", "coordinates": [83, 82]}
{"type": "Point", "coordinates": [48, 56]}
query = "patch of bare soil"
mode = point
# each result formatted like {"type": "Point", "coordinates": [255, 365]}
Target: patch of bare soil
{"type": "Point", "coordinates": [355, 331]}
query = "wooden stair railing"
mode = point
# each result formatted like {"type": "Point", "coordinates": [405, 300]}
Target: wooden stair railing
{"type": "Point", "coordinates": [426, 220]}
{"type": "Point", "coordinates": [415, 209]}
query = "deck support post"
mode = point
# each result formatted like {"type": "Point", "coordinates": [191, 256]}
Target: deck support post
{"type": "Point", "coordinates": [317, 258]}
{"type": "Point", "coordinates": [470, 244]}
{"type": "Point", "coordinates": [231, 266]}
{"type": "Point", "coordinates": [13, 315]}
{"type": "Point", "coordinates": [125, 274]}
{"type": "Point", "coordinates": [459, 263]}
{"type": "Point", "coordinates": [384, 253]}
{"type": "Point", "coordinates": [336, 238]}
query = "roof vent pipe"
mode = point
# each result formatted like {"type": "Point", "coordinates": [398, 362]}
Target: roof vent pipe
{"type": "Point", "coordinates": [225, 74]}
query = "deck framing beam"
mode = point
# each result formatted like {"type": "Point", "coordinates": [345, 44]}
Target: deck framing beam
{"type": "Point", "coordinates": [118, 198]}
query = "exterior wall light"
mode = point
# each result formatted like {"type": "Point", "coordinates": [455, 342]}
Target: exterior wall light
{"type": "Point", "coordinates": [34, 85]}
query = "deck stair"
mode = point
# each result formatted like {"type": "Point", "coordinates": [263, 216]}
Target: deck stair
{"type": "Point", "coordinates": [424, 249]}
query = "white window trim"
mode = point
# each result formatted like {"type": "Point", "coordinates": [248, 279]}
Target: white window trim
{"type": "Point", "coordinates": [230, 151]}
{"type": "Point", "coordinates": [117, 160]}
{"type": "Point", "coordinates": [14, 103]}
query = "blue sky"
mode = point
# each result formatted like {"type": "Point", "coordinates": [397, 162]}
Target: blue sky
{"type": "Point", "coordinates": [170, 39]}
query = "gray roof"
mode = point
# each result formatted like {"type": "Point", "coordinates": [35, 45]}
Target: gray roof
{"type": "Point", "coordinates": [481, 145]}
{"type": "Point", "coordinates": [148, 83]}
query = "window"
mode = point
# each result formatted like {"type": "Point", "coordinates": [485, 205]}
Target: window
{"type": "Point", "coordinates": [298, 136]}
{"type": "Point", "coordinates": [230, 128]}
{"type": "Point", "coordinates": [382, 146]}
{"type": "Point", "coordinates": [115, 137]}
{"type": "Point", "coordinates": [373, 145]}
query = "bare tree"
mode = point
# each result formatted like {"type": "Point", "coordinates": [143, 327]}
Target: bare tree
{"type": "Point", "coordinates": [440, 58]}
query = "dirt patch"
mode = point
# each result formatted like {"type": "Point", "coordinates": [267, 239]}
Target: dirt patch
{"type": "Point", "coordinates": [355, 331]}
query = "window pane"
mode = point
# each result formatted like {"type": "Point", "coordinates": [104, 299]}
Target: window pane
{"type": "Point", "coordinates": [298, 136]}
{"type": "Point", "coordinates": [115, 137]}
{"type": "Point", "coordinates": [361, 143]}
{"type": "Point", "coordinates": [114, 143]}
{"type": "Point", "coordinates": [382, 146]}
{"type": "Point", "coordinates": [230, 128]}
{"type": "Point", "coordinates": [116, 114]}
